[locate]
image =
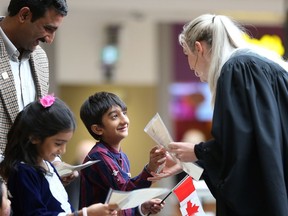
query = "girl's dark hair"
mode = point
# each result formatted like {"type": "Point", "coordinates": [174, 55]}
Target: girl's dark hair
{"type": "Point", "coordinates": [96, 106]}
{"type": "Point", "coordinates": [38, 8]}
{"type": "Point", "coordinates": [38, 122]}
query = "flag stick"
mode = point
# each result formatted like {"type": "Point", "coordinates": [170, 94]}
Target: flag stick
{"type": "Point", "coordinates": [171, 192]}
{"type": "Point", "coordinates": [163, 199]}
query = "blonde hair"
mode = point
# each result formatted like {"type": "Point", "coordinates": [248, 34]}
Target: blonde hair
{"type": "Point", "coordinates": [221, 34]}
{"type": "Point", "coordinates": [224, 36]}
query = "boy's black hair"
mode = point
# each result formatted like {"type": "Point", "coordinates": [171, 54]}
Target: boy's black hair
{"type": "Point", "coordinates": [93, 109]}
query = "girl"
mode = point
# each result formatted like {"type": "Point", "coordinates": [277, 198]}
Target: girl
{"type": "Point", "coordinates": [39, 134]}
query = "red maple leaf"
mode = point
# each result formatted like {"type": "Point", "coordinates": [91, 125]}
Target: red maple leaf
{"type": "Point", "coordinates": [191, 209]}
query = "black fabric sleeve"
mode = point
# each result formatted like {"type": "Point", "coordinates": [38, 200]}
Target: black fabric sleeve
{"type": "Point", "coordinates": [248, 127]}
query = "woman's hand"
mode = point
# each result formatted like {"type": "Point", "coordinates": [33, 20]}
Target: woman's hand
{"type": "Point", "coordinates": [183, 151]}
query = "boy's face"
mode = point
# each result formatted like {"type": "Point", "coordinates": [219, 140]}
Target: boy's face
{"type": "Point", "coordinates": [115, 125]}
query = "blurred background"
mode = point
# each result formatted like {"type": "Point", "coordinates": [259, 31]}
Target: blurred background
{"type": "Point", "coordinates": [130, 47]}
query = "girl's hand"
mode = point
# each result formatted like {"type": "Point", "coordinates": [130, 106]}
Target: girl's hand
{"type": "Point", "coordinates": [102, 209]}
{"type": "Point", "coordinates": [68, 179]}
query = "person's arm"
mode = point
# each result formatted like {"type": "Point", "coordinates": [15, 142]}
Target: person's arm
{"type": "Point", "coordinates": [96, 179]}
{"type": "Point", "coordinates": [121, 179]}
{"type": "Point", "coordinates": [139, 181]}
{"type": "Point", "coordinates": [27, 187]}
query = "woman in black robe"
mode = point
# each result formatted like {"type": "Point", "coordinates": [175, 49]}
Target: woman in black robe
{"type": "Point", "coordinates": [246, 162]}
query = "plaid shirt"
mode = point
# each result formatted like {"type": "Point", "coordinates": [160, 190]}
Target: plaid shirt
{"type": "Point", "coordinates": [113, 171]}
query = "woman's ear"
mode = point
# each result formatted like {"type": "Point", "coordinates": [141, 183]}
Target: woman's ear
{"type": "Point", "coordinates": [97, 129]}
{"type": "Point", "coordinates": [198, 47]}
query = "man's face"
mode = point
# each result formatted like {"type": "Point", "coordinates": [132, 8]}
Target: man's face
{"type": "Point", "coordinates": [41, 30]}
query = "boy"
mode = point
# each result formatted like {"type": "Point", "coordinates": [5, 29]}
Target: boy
{"type": "Point", "coordinates": [105, 116]}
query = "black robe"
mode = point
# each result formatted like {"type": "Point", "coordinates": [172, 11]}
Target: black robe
{"type": "Point", "coordinates": [246, 164]}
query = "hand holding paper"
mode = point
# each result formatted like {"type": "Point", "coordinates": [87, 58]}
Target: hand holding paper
{"type": "Point", "coordinates": [131, 199]}
{"type": "Point", "coordinates": [65, 169]}
{"type": "Point", "coordinates": [157, 130]}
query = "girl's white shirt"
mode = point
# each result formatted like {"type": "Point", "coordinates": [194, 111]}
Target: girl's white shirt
{"type": "Point", "coordinates": [57, 189]}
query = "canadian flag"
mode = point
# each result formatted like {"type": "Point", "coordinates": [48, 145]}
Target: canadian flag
{"type": "Point", "coordinates": [190, 204]}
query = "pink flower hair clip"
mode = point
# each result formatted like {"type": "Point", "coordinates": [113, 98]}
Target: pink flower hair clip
{"type": "Point", "coordinates": [47, 100]}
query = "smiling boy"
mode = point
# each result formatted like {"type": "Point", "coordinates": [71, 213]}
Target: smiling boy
{"type": "Point", "coordinates": [105, 117]}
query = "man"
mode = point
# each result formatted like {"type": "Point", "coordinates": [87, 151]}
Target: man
{"type": "Point", "coordinates": [24, 71]}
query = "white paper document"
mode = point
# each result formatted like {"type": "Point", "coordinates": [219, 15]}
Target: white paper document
{"type": "Point", "coordinates": [65, 169]}
{"type": "Point", "coordinates": [131, 199]}
{"type": "Point", "coordinates": [157, 130]}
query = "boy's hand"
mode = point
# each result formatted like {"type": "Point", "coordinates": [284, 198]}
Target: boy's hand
{"type": "Point", "coordinates": [171, 168]}
{"type": "Point", "coordinates": [157, 158]}
{"type": "Point", "coordinates": [152, 206]}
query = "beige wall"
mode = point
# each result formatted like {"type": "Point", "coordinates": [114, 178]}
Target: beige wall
{"type": "Point", "coordinates": [81, 38]}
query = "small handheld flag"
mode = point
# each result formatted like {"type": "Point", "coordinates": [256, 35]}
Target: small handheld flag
{"type": "Point", "coordinates": [185, 192]}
